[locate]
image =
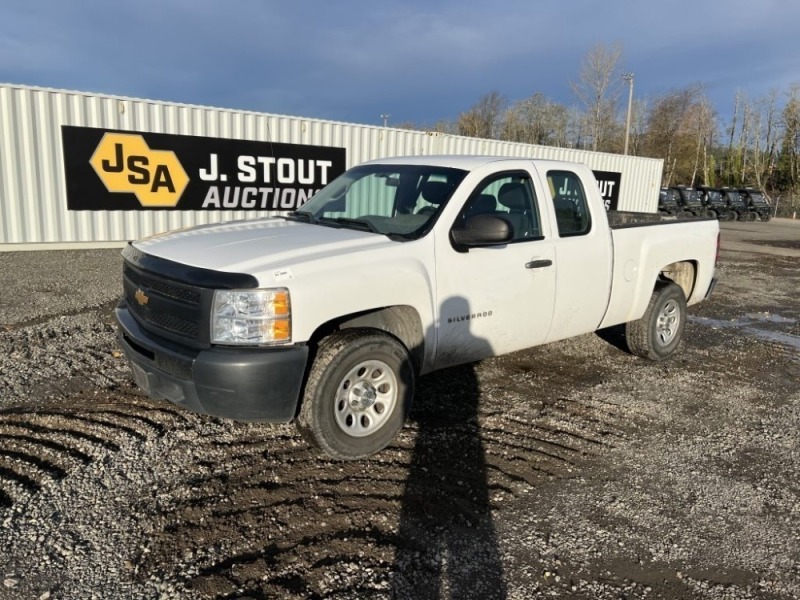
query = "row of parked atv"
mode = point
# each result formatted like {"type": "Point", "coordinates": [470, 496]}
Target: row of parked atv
{"type": "Point", "coordinates": [725, 204]}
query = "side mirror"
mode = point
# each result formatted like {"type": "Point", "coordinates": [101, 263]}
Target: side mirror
{"type": "Point", "coordinates": [483, 230]}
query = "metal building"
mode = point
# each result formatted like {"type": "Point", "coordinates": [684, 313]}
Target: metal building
{"type": "Point", "coordinates": [39, 192]}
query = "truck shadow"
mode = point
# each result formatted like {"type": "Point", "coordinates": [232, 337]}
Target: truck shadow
{"type": "Point", "coordinates": [447, 545]}
{"type": "Point", "coordinates": [614, 335]}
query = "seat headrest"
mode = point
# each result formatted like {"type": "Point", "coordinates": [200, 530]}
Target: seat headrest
{"type": "Point", "coordinates": [484, 203]}
{"type": "Point", "coordinates": [513, 196]}
{"type": "Point", "coordinates": [563, 202]}
{"type": "Point", "coordinates": [436, 192]}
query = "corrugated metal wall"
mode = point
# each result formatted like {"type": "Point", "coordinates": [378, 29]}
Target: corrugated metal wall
{"type": "Point", "coordinates": [33, 207]}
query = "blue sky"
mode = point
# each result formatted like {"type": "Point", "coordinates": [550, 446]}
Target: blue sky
{"type": "Point", "coordinates": [352, 60]}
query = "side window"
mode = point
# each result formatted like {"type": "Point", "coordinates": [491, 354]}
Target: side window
{"type": "Point", "coordinates": [510, 196]}
{"type": "Point", "coordinates": [569, 201]}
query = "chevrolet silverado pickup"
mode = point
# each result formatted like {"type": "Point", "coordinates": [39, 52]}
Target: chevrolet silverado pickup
{"type": "Point", "coordinates": [399, 267]}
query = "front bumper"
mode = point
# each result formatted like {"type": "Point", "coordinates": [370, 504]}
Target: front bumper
{"type": "Point", "coordinates": [245, 384]}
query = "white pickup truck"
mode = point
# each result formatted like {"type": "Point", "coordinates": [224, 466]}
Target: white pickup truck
{"type": "Point", "coordinates": [397, 268]}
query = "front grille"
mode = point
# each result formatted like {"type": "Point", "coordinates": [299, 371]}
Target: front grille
{"type": "Point", "coordinates": [171, 309]}
{"type": "Point", "coordinates": [168, 289]}
{"type": "Point", "coordinates": [163, 320]}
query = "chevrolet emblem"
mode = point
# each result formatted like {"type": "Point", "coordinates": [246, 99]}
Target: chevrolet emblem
{"type": "Point", "coordinates": [141, 297]}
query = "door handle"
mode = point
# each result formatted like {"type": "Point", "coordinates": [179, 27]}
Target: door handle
{"type": "Point", "coordinates": [538, 264]}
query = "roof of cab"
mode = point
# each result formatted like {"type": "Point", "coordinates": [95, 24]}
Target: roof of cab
{"type": "Point", "coordinates": [466, 163]}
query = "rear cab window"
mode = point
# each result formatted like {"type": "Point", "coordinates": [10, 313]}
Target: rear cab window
{"type": "Point", "coordinates": [569, 202]}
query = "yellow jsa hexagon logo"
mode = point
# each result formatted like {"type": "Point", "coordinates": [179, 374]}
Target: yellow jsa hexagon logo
{"type": "Point", "coordinates": [125, 163]}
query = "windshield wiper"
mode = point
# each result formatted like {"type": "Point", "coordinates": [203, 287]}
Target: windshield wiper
{"type": "Point", "coordinates": [300, 216]}
{"type": "Point", "coordinates": [361, 224]}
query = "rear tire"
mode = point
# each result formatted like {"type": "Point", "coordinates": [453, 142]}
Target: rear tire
{"type": "Point", "coordinates": [358, 393]}
{"type": "Point", "coordinates": [712, 214]}
{"type": "Point", "coordinates": [658, 333]}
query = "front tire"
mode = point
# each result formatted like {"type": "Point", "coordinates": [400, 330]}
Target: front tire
{"type": "Point", "coordinates": [658, 333]}
{"type": "Point", "coordinates": [358, 393]}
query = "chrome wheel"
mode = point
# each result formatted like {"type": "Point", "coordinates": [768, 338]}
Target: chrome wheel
{"type": "Point", "coordinates": [668, 322]}
{"type": "Point", "coordinates": [366, 398]}
{"type": "Point", "coordinates": [358, 393]}
{"type": "Point", "coordinates": [657, 334]}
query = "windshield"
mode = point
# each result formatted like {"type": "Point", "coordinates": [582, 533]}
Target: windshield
{"type": "Point", "coordinates": [667, 197]}
{"type": "Point", "coordinates": [401, 201]}
{"type": "Point", "coordinates": [733, 197]}
{"type": "Point", "coordinates": [758, 198]}
{"type": "Point", "coordinates": [692, 196]}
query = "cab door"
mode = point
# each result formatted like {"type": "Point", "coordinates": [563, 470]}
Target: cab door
{"type": "Point", "coordinates": [497, 299]}
{"type": "Point", "coordinates": [584, 254]}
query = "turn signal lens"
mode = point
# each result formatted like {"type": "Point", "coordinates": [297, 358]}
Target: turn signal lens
{"type": "Point", "coordinates": [280, 303]}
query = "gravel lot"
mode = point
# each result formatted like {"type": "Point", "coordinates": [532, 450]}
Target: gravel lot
{"type": "Point", "coordinates": [571, 470]}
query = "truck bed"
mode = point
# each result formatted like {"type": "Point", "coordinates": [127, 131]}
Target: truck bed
{"type": "Point", "coordinates": [618, 219]}
{"type": "Point", "coordinates": [640, 254]}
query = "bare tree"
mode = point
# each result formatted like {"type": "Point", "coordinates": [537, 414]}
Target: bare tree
{"type": "Point", "coordinates": [702, 123]}
{"type": "Point", "coordinates": [730, 163]}
{"type": "Point", "coordinates": [766, 138]}
{"type": "Point", "coordinates": [598, 90]}
{"type": "Point", "coordinates": [482, 120]}
{"type": "Point", "coordinates": [445, 126]}
{"type": "Point", "coordinates": [788, 172]}
{"type": "Point", "coordinates": [535, 120]}
{"type": "Point", "coordinates": [745, 133]}
{"type": "Point", "coordinates": [760, 144]}
{"type": "Point", "coordinates": [667, 135]}
{"type": "Point", "coordinates": [575, 128]}
{"type": "Point", "coordinates": [752, 147]}
{"type": "Point", "coordinates": [638, 126]}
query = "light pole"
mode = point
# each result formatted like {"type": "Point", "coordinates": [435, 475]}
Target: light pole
{"type": "Point", "coordinates": [385, 117]}
{"type": "Point", "coordinates": [629, 78]}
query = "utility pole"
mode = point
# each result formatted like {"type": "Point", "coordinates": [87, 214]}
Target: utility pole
{"type": "Point", "coordinates": [385, 117]}
{"type": "Point", "coordinates": [629, 78]}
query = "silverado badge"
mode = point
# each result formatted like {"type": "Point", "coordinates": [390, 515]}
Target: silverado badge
{"type": "Point", "coordinates": [141, 297]}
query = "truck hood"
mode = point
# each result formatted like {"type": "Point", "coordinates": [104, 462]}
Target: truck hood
{"type": "Point", "coordinates": [257, 246]}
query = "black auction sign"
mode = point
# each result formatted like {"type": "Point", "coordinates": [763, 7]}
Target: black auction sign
{"type": "Point", "coordinates": [128, 170]}
{"type": "Point", "coordinates": [609, 184]}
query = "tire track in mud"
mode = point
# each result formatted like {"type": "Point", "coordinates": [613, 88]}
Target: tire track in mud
{"type": "Point", "coordinates": [259, 513]}
{"type": "Point", "coordinates": [264, 516]}
{"type": "Point", "coordinates": [58, 357]}
{"type": "Point", "coordinates": [41, 447]}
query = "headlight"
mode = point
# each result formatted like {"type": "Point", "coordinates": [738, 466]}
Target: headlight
{"type": "Point", "coordinates": [251, 317]}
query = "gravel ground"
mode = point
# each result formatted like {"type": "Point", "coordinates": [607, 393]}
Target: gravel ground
{"type": "Point", "coordinates": [571, 470]}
